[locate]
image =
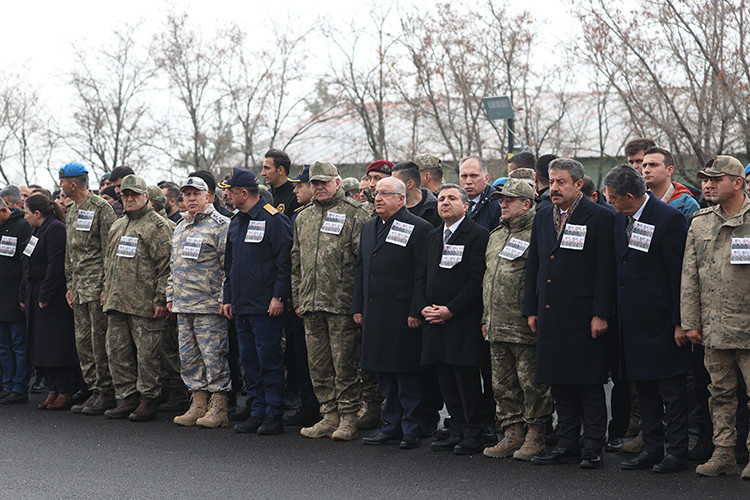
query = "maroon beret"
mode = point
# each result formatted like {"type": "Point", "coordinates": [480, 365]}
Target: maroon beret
{"type": "Point", "coordinates": [382, 166]}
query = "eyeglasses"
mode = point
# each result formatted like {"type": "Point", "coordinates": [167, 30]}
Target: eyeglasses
{"type": "Point", "coordinates": [383, 193]}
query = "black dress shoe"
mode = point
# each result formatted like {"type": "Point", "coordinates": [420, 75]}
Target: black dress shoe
{"type": "Point", "coordinates": [409, 442]}
{"type": "Point", "coordinates": [441, 434]}
{"type": "Point", "coordinates": [38, 386]}
{"type": "Point", "coordinates": [249, 426]}
{"type": "Point", "coordinates": [445, 444]}
{"type": "Point", "coordinates": [469, 446]}
{"type": "Point", "coordinates": [591, 459]}
{"type": "Point", "coordinates": [558, 456]}
{"type": "Point", "coordinates": [613, 444]}
{"type": "Point", "coordinates": [670, 464]}
{"type": "Point", "coordinates": [645, 460]}
{"type": "Point", "coordinates": [4, 394]}
{"type": "Point", "coordinates": [15, 398]}
{"type": "Point", "coordinates": [381, 438]}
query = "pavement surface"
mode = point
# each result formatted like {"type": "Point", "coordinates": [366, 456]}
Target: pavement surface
{"type": "Point", "coordinates": [61, 455]}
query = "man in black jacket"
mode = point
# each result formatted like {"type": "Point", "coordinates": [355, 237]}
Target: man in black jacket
{"type": "Point", "coordinates": [419, 201]}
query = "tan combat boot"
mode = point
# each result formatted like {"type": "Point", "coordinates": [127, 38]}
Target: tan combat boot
{"type": "Point", "coordinates": [533, 445]}
{"type": "Point", "coordinates": [721, 462]}
{"type": "Point", "coordinates": [197, 409]}
{"type": "Point", "coordinates": [216, 415]}
{"type": "Point", "coordinates": [512, 440]}
{"type": "Point", "coordinates": [324, 428]}
{"type": "Point", "coordinates": [746, 472]}
{"type": "Point", "coordinates": [347, 429]}
{"type": "Point", "coordinates": [372, 418]}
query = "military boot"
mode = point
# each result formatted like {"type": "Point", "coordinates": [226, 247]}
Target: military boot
{"type": "Point", "coordinates": [125, 407]}
{"type": "Point", "coordinates": [197, 409]}
{"type": "Point", "coordinates": [746, 472]}
{"type": "Point", "coordinates": [372, 418]}
{"type": "Point", "coordinates": [78, 408]}
{"type": "Point", "coordinates": [103, 402]}
{"type": "Point", "coordinates": [512, 441]}
{"type": "Point", "coordinates": [533, 445]}
{"type": "Point", "coordinates": [324, 428]}
{"type": "Point", "coordinates": [721, 462]}
{"type": "Point", "coordinates": [347, 429]}
{"type": "Point", "coordinates": [147, 410]}
{"type": "Point", "coordinates": [216, 416]}
{"type": "Point", "coordinates": [177, 400]}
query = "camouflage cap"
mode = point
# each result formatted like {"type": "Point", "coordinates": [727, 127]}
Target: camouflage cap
{"type": "Point", "coordinates": [515, 188]}
{"type": "Point", "coordinates": [723, 165]}
{"type": "Point", "coordinates": [156, 194]}
{"type": "Point", "coordinates": [427, 161]}
{"type": "Point", "coordinates": [523, 173]}
{"type": "Point", "coordinates": [350, 184]}
{"type": "Point", "coordinates": [193, 182]}
{"type": "Point", "coordinates": [323, 171]}
{"type": "Point", "coordinates": [133, 183]}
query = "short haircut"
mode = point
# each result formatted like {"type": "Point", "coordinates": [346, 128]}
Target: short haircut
{"type": "Point", "coordinates": [280, 159]}
{"type": "Point", "coordinates": [523, 160]}
{"type": "Point", "coordinates": [158, 205]}
{"type": "Point", "coordinates": [40, 190]}
{"type": "Point", "coordinates": [464, 195]}
{"type": "Point", "coordinates": [436, 172]}
{"type": "Point", "coordinates": [172, 193]}
{"type": "Point", "coordinates": [34, 186]}
{"type": "Point", "coordinates": [589, 188]}
{"type": "Point", "coordinates": [12, 193]}
{"type": "Point", "coordinates": [573, 167]}
{"type": "Point", "coordinates": [639, 144]}
{"type": "Point", "coordinates": [398, 185]}
{"type": "Point", "coordinates": [542, 165]}
{"type": "Point", "coordinates": [82, 180]}
{"type": "Point", "coordinates": [668, 158]}
{"type": "Point", "coordinates": [118, 173]}
{"type": "Point", "coordinates": [482, 163]}
{"type": "Point", "coordinates": [365, 178]}
{"type": "Point", "coordinates": [206, 176]}
{"type": "Point", "coordinates": [410, 171]}
{"type": "Point", "coordinates": [624, 179]}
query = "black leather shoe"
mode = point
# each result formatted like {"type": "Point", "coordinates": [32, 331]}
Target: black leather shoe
{"type": "Point", "coordinates": [15, 398]}
{"type": "Point", "coordinates": [445, 444]}
{"type": "Point", "coordinates": [249, 426]}
{"type": "Point", "coordinates": [441, 434]}
{"type": "Point", "coordinates": [271, 425]}
{"type": "Point", "coordinates": [670, 464]}
{"type": "Point", "coordinates": [613, 444]}
{"type": "Point", "coordinates": [38, 386]}
{"type": "Point", "coordinates": [645, 460]}
{"type": "Point", "coordinates": [240, 415]}
{"type": "Point", "coordinates": [469, 446]}
{"type": "Point", "coordinates": [381, 438]}
{"type": "Point", "coordinates": [558, 456]}
{"type": "Point", "coordinates": [591, 459]}
{"type": "Point", "coordinates": [409, 442]}
{"type": "Point", "coordinates": [4, 394]}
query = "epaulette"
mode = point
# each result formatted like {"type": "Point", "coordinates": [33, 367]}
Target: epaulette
{"type": "Point", "coordinates": [98, 200]}
{"type": "Point", "coordinates": [702, 211]}
{"type": "Point", "coordinates": [270, 209]}
{"type": "Point", "coordinates": [221, 219]}
{"type": "Point", "coordinates": [302, 207]}
{"type": "Point", "coordinates": [351, 201]}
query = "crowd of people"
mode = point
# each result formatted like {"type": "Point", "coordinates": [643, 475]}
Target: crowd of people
{"type": "Point", "coordinates": [343, 304]}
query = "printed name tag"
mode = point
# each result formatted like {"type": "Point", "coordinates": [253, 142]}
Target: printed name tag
{"type": "Point", "coordinates": [574, 237]}
{"type": "Point", "coordinates": [640, 238]}
{"type": "Point", "coordinates": [452, 255]}
{"type": "Point", "coordinates": [256, 229]}
{"type": "Point", "coordinates": [30, 246]}
{"type": "Point", "coordinates": [127, 247]}
{"type": "Point", "coordinates": [85, 220]}
{"type": "Point", "coordinates": [740, 251]}
{"type": "Point", "coordinates": [400, 233]}
{"type": "Point", "coordinates": [514, 249]}
{"type": "Point", "coordinates": [333, 224]}
{"type": "Point", "coordinates": [8, 246]}
{"type": "Point", "coordinates": [192, 248]}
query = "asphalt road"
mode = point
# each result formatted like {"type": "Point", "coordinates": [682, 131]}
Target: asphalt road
{"type": "Point", "coordinates": [47, 454]}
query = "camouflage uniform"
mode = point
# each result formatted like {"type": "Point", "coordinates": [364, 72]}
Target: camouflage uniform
{"type": "Point", "coordinates": [195, 290]}
{"type": "Point", "coordinates": [85, 245]}
{"type": "Point", "coordinates": [322, 284]}
{"type": "Point", "coordinates": [133, 286]}
{"type": "Point", "coordinates": [513, 345]}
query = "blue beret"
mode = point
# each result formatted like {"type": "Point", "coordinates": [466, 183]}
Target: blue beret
{"type": "Point", "coordinates": [747, 169]}
{"type": "Point", "coordinates": [72, 170]}
{"type": "Point", "coordinates": [239, 177]}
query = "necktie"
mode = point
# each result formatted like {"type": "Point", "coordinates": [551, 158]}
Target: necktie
{"type": "Point", "coordinates": [629, 227]}
{"type": "Point", "coordinates": [446, 236]}
{"type": "Point", "coordinates": [471, 205]}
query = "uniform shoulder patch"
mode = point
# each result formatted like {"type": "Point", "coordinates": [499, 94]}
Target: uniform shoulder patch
{"type": "Point", "coordinates": [270, 209]}
{"type": "Point", "coordinates": [351, 201]}
{"type": "Point", "coordinates": [221, 219]}
{"type": "Point", "coordinates": [703, 211]}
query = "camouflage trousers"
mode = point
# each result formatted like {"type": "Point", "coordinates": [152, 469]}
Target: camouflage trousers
{"type": "Point", "coordinates": [91, 344]}
{"type": "Point", "coordinates": [204, 346]}
{"type": "Point", "coordinates": [332, 341]}
{"type": "Point", "coordinates": [134, 350]}
{"type": "Point", "coordinates": [170, 358]}
{"type": "Point", "coordinates": [519, 399]}
{"type": "Point", "coordinates": [723, 366]}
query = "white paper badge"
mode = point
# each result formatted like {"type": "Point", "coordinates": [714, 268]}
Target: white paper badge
{"type": "Point", "coordinates": [334, 223]}
{"type": "Point", "coordinates": [400, 233]}
{"type": "Point", "coordinates": [640, 238]}
{"type": "Point", "coordinates": [514, 249]}
{"type": "Point", "coordinates": [127, 247]}
{"type": "Point", "coordinates": [192, 248]}
{"type": "Point", "coordinates": [8, 246]}
{"type": "Point", "coordinates": [30, 246]}
{"type": "Point", "coordinates": [256, 229]}
{"type": "Point", "coordinates": [574, 237]}
{"type": "Point", "coordinates": [740, 251]}
{"type": "Point", "coordinates": [452, 255]}
{"type": "Point", "coordinates": [85, 220]}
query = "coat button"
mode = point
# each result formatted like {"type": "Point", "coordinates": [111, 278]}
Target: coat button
{"type": "Point", "coordinates": [551, 257]}
{"type": "Point", "coordinates": [549, 281]}
{"type": "Point", "coordinates": [547, 306]}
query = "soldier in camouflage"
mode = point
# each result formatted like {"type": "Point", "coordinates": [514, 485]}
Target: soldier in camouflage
{"type": "Point", "coordinates": [87, 222]}
{"type": "Point", "coordinates": [194, 292]}
{"type": "Point", "coordinates": [136, 269]}
{"type": "Point", "coordinates": [324, 253]}
{"type": "Point", "coordinates": [431, 170]}
{"type": "Point", "coordinates": [714, 291]}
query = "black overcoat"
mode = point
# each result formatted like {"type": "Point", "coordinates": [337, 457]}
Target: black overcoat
{"type": "Point", "coordinates": [15, 232]}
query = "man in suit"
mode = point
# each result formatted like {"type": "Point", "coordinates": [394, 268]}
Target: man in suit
{"type": "Point", "coordinates": [383, 304]}
{"type": "Point", "coordinates": [569, 299]}
{"type": "Point", "coordinates": [649, 245]}
{"type": "Point", "coordinates": [449, 295]}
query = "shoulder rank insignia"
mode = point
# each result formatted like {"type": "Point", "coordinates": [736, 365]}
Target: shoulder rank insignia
{"type": "Point", "coordinates": [269, 208]}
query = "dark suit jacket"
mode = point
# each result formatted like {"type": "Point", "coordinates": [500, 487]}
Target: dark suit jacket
{"type": "Point", "coordinates": [487, 211]}
{"type": "Point", "coordinates": [648, 294]}
{"type": "Point", "coordinates": [459, 341]}
{"type": "Point", "coordinates": [566, 288]}
{"type": "Point", "coordinates": [384, 294]}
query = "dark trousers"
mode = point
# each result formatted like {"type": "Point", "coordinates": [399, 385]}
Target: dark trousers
{"type": "Point", "coordinates": [60, 379]}
{"type": "Point", "coordinates": [403, 393]}
{"type": "Point", "coordinates": [487, 405]}
{"type": "Point", "coordinates": [298, 371]}
{"type": "Point", "coordinates": [576, 402]}
{"type": "Point", "coordinates": [699, 415]}
{"type": "Point", "coordinates": [15, 371]}
{"type": "Point", "coordinates": [235, 368]}
{"type": "Point", "coordinates": [259, 338]}
{"type": "Point", "coordinates": [619, 397]}
{"type": "Point", "coordinates": [461, 387]}
{"type": "Point", "coordinates": [432, 398]}
{"type": "Point", "coordinates": [654, 396]}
